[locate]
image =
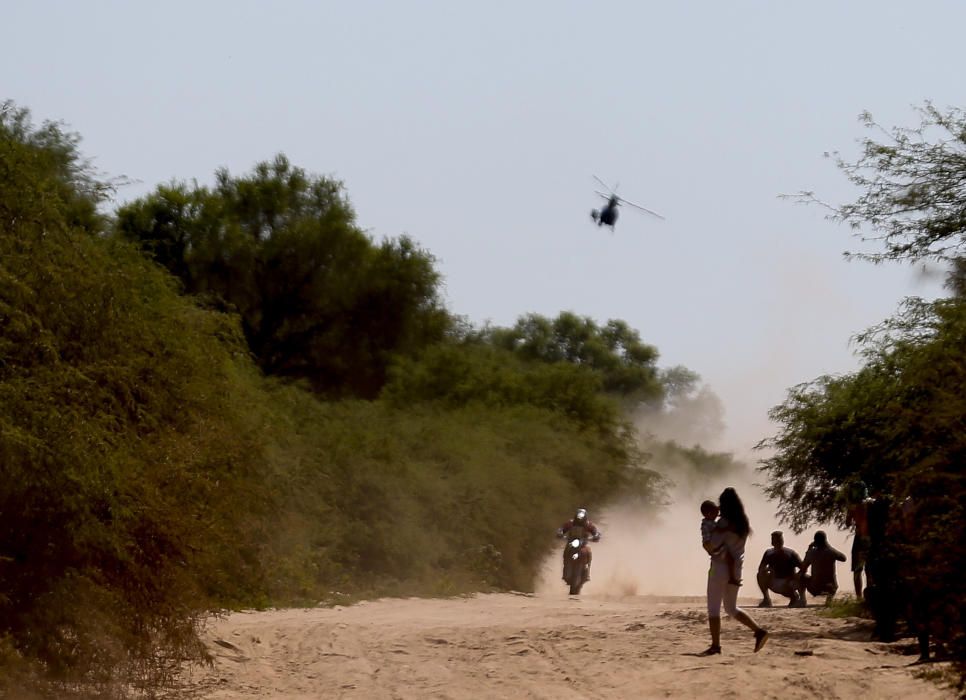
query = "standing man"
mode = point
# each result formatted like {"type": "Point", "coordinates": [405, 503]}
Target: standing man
{"type": "Point", "coordinates": [882, 572]}
{"type": "Point", "coordinates": [857, 515]}
{"type": "Point", "coordinates": [777, 572]}
{"type": "Point", "coordinates": [821, 557]}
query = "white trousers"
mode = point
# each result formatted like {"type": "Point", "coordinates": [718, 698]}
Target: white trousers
{"type": "Point", "coordinates": [720, 591]}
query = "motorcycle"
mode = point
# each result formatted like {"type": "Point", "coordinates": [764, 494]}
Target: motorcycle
{"type": "Point", "coordinates": [576, 571]}
{"type": "Point", "coordinates": [576, 566]}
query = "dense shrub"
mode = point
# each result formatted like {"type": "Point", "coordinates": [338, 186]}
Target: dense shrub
{"type": "Point", "coordinates": [434, 500]}
{"type": "Point", "coordinates": [149, 472]}
{"type": "Point", "coordinates": [125, 464]}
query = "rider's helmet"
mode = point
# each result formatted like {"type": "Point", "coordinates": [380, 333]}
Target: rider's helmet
{"type": "Point", "coordinates": [580, 517]}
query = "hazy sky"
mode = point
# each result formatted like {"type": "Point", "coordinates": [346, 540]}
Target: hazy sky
{"type": "Point", "coordinates": [476, 129]}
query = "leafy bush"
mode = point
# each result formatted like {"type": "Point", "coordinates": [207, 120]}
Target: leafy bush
{"type": "Point", "coordinates": [391, 500]}
{"type": "Point", "coordinates": [897, 425]}
{"type": "Point", "coordinates": [122, 456]}
{"type": "Point", "coordinates": [149, 472]}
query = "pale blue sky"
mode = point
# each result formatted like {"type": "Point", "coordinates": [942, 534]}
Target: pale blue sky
{"type": "Point", "coordinates": [476, 130]}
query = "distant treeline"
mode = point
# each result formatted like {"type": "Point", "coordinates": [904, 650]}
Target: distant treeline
{"type": "Point", "coordinates": [228, 396]}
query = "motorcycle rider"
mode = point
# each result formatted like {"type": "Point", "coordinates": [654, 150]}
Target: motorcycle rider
{"type": "Point", "coordinates": [579, 527]}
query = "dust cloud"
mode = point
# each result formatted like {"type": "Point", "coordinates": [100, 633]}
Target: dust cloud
{"type": "Point", "coordinates": [657, 551]}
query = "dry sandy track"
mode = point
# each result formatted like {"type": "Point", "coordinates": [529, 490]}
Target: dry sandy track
{"type": "Point", "coordinates": [548, 646]}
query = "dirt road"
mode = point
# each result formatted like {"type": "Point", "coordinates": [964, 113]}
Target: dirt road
{"type": "Point", "coordinates": [548, 646]}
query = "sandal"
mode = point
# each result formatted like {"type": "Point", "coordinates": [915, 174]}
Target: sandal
{"type": "Point", "coordinates": [711, 651]}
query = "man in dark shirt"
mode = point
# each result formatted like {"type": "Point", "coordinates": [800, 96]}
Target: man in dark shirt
{"type": "Point", "coordinates": [857, 515]}
{"type": "Point", "coordinates": [821, 557]}
{"type": "Point", "coordinates": [777, 572]}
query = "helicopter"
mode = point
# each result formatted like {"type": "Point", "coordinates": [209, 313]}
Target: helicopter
{"type": "Point", "coordinates": [608, 214]}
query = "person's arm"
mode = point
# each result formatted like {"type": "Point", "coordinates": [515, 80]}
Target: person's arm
{"type": "Point", "coordinates": [838, 555]}
{"type": "Point", "coordinates": [807, 561]}
{"type": "Point", "coordinates": [763, 566]}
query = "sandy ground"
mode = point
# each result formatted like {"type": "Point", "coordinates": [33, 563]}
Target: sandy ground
{"type": "Point", "coordinates": [545, 646]}
{"type": "Point", "coordinates": [624, 637]}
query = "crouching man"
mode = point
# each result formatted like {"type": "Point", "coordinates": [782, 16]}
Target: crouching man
{"type": "Point", "coordinates": [821, 558]}
{"type": "Point", "coordinates": [777, 572]}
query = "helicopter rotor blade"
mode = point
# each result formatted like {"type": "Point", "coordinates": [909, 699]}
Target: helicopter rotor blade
{"type": "Point", "coordinates": [605, 196]}
{"type": "Point", "coordinates": [605, 185]}
{"type": "Point", "coordinates": [638, 206]}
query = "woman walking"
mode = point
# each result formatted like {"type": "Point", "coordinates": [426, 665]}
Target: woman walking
{"type": "Point", "coordinates": [727, 549]}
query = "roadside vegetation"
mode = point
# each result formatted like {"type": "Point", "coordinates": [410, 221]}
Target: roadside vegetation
{"type": "Point", "coordinates": [898, 424]}
{"type": "Point", "coordinates": [230, 396]}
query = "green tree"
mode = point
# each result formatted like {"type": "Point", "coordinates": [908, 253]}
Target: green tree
{"type": "Point", "coordinates": [126, 439]}
{"type": "Point", "coordinates": [614, 351]}
{"type": "Point", "coordinates": [46, 180]}
{"type": "Point", "coordinates": [913, 188]}
{"type": "Point", "coordinates": [461, 375]}
{"type": "Point", "coordinates": [317, 298]}
{"type": "Point", "coordinates": [897, 423]}
{"type": "Point", "coordinates": [873, 424]}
